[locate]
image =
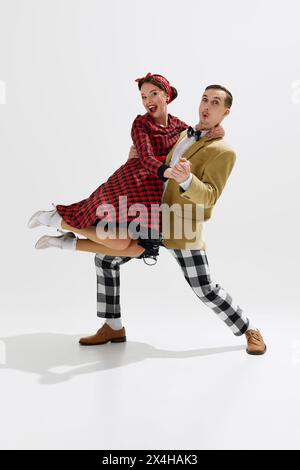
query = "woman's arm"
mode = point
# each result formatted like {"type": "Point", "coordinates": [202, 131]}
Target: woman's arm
{"type": "Point", "coordinates": [132, 152]}
{"type": "Point", "coordinates": [144, 149]}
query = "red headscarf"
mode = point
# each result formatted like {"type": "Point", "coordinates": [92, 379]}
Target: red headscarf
{"type": "Point", "coordinates": [161, 80]}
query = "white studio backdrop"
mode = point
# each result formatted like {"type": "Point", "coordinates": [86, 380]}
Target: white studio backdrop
{"type": "Point", "coordinates": [68, 98]}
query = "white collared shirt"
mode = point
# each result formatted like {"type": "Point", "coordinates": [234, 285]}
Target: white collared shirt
{"type": "Point", "coordinates": [180, 149]}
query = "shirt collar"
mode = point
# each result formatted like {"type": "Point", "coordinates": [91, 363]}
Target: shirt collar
{"type": "Point", "coordinates": [203, 133]}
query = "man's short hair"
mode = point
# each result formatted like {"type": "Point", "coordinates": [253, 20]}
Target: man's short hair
{"type": "Point", "coordinates": [229, 97]}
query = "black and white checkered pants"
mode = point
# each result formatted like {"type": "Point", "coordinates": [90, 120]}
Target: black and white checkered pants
{"type": "Point", "coordinates": [194, 265]}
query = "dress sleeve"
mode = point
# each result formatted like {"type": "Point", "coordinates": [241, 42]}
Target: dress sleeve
{"type": "Point", "coordinates": [144, 149]}
{"type": "Point", "coordinates": [182, 126]}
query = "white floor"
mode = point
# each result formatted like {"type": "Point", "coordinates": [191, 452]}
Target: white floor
{"type": "Point", "coordinates": [175, 384]}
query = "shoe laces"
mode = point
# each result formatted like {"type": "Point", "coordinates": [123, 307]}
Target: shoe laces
{"type": "Point", "coordinates": [254, 337]}
{"type": "Point", "coordinates": [66, 234]}
{"type": "Point", "coordinates": [151, 251]}
{"type": "Point", "coordinates": [149, 257]}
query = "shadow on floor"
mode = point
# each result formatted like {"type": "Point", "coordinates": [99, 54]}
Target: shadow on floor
{"type": "Point", "coordinates": [59, 357]}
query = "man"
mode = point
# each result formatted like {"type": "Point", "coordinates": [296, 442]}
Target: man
{"type": "Point", "coordinates": [198, 168]}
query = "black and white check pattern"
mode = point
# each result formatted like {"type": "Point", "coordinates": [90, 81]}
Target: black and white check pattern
{"type": "Point", "coordinates": [194, 265]}
{"type": "Point", "coordinates": [108, 284]}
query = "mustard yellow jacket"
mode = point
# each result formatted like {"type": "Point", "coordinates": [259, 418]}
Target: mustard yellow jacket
{"type": "Point", "coordinates": [184, 212]}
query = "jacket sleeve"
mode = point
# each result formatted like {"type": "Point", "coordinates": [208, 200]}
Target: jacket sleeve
{"type": "Point", "coordinates": [208, 189]}
{"type": "Point", "coordinates": [144, 149]}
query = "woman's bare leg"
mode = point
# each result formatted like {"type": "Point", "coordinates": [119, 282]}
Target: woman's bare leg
{"type": "Point", "coordinates": [90, 233]}
{"type": "Point", "coordinates": [133, 250]}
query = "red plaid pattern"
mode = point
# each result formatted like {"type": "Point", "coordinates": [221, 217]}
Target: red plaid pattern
{"type": "Point", "coordinates": [139, 179]}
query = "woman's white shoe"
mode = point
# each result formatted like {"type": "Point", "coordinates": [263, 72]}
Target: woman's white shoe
{"type": "Point", "coordinates": [47, 218]}
{"type": "Point", "coordinates": [67, 241]}
{"type": "Point", "coordinates": [35, 219]}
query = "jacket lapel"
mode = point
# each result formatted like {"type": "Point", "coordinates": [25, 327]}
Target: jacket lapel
{"type": "Point", "coordinates": [193, 148]}
{"type": "Point", "coordinates": [196, 147]}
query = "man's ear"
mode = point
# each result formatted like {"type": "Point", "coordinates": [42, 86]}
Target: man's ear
{"type": "Point", "coordinates": [226, 112]}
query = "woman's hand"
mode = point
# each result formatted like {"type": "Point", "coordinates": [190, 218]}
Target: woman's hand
{"type": "Point", "coordinates": [216, 132]}
{"type": "Point", "coordinates": [133, 153]}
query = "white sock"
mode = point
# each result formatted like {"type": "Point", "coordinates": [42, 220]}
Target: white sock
{"type": "Point", "coordinates": [114, 323]}
{"type": "Point", "coordinates": [56, 220]}
{"type": "Point", "coordinates": [50, 218]}
{"type": "Point", "coordinates": [251, 326]}
{"type": "Point", "coordinates": [66, 243]}
{"type": "Point", "coordinates": [69, 243]}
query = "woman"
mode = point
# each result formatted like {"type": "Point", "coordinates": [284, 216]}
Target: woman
{"type": "Point", "coordinates": [138, 181]}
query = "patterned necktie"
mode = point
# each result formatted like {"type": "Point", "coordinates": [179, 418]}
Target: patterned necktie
{"type": "Point", "coordinates": [191, 132]}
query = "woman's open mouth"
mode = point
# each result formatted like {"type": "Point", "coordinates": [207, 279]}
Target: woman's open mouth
{"type": "Point", "coordinates": [152, 109]}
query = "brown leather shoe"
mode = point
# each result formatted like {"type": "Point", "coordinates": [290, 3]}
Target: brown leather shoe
{"type": "Point", "coordinates": [255, 342]}
{"type": "Point", "coordinates": [104, 335]}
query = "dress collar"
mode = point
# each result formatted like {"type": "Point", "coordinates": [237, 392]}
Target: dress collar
{"type": "Point", "coordinates": [160, 125]}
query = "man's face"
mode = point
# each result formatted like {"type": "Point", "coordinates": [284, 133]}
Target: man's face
{"type": "Point", "coordinates": [212, 109]}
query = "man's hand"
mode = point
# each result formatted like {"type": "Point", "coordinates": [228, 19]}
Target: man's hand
{"type": "Point", "coordinates": [181, 171]}
{"type": "Point", "coordinates": [133, 153]}
{"type": "Point", "coordinates": [168, 173]}
{"type": "Point", "coordinates": [216, 132]}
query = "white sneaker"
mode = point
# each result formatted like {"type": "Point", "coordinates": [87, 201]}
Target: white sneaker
{"type": "Point", "coordinates": [67, 241]}
{"type": "Point", "coordinates": [47, 218]}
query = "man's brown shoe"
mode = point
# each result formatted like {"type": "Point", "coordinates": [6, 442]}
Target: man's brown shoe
{"type": "Point", "coordinates": [104, 335]}
{"type": "Point", "coordinates": [255, 342]}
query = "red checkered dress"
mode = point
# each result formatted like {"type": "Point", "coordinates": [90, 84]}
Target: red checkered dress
{"type": "Point", "coordinates": [139, 179]}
